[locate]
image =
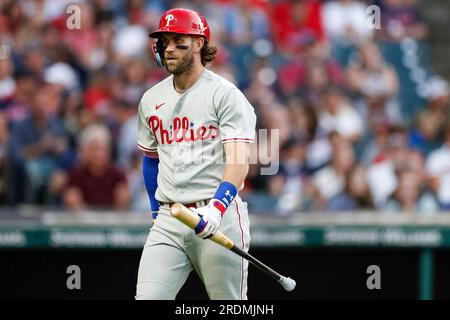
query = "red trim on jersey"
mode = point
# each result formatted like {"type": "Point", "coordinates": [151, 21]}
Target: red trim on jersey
{"type": "Point", "coordinates": [242, 247]}
{"type": "Point", "coordinates": [140, 146]}
{"type": "Point", "coordinates": [151, 154]}
{"type": "Point", "coordinates": [238, 139]}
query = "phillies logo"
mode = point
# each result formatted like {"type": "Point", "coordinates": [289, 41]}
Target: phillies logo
{"type": "Point", "coordinates": [169, 18]}
{"type": "Point", "coordinates": [181, 129]}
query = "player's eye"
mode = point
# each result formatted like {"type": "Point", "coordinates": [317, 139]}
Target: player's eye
{"type": "Point", "coordinates": [164, 42]}
{"type": "Point", "coordinates": [178, 40]}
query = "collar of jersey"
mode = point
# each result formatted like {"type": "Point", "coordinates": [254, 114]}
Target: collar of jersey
{"type": "Point", "coordinates": [191, 87]}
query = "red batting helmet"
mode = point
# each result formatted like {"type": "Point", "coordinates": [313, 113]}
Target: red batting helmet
{"type": "Point", "coordinates": [183, 21]}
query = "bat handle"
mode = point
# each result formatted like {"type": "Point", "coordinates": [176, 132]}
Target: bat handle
{"type": "Point", "coordinates": [191, 219]}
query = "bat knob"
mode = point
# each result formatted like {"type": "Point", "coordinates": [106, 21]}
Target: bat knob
{"type": "Point", "coordinates": [287, 283]}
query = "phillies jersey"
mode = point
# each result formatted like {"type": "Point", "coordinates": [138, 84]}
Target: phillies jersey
{"type": "Point", "coordinates": [188, 131]}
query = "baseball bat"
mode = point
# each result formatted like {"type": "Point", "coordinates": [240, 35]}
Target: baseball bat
{"type": "Point", "coordinates": [191, 219]}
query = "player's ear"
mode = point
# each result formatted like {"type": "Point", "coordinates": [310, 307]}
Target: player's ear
{"type": "Point", "coordinates": [199, 42]}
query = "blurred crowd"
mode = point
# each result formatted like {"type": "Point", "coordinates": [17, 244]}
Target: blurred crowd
{"type": "Point", "coordinates": [362, 118]}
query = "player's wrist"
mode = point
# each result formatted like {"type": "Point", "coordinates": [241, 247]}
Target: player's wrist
{"type": "Point", "coordinates": [224, 196]}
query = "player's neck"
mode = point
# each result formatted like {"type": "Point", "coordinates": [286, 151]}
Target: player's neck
{"type": "Point", "coordinates": [186, 80]}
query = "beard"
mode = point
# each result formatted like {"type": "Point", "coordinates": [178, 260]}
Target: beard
{"type": "Point", "coordinates": [181, 65]}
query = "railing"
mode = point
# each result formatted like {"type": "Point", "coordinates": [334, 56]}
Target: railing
{"type": "Point", "coordinates": [114, 230]}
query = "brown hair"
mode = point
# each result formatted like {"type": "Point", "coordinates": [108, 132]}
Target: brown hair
{"type": "Point", "coordinates": [208, 53]}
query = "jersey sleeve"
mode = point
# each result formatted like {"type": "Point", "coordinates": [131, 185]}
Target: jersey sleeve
{"type": "Point", "coordinates": [146, 141]}
{"type": "Point", "coordinates": [237, 119]}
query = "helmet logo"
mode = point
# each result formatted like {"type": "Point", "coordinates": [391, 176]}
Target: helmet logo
{"type": "Point", "coordinates": [169, 18]}
{"type": "Point", "coordinates": [198, 26]}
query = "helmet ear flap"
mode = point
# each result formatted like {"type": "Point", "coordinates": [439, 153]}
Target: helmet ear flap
{"type": "Point", "coordinates": [158, 52]}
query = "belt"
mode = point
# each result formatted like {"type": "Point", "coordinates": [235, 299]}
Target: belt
{"type": "Point", "coordinates": [197, 204]}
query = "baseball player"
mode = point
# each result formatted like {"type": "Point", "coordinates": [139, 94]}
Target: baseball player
{"type": "Point", "coordinates": [194, 130]}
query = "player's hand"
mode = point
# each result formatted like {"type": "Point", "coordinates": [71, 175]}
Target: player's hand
{"type": "Point", "coordinates": [211, 217]}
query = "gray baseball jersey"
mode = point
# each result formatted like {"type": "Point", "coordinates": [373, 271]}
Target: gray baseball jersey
{"type": "Point", "coordinates": [188, 131]}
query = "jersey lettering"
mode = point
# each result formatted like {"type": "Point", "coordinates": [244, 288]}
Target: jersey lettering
{"type": "Point", "coordinates": [182, 129]}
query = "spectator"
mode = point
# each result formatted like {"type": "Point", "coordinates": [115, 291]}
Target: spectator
{"type": "Point", "coordinates": [130, 43]}
{"type": "Point", "coordinates": [265, 201]}
{"type": "Point", "coordinates": [7, 82]}
{"type": "Point", "coordinates": [329, 181]}
{"type": "Point", "coordinates": [376, 84]}
{"type": "Point", "coordinates": [302, 119]}
{"type": "Point", "coordinates": [340, 116]}
{"type": "Point", "coordinates": [376, 139]}
{"type": "Point", "coordinates": [309, 73]}
{"type": "Point", "coordinates": [356, 194]}
{"type": "Point", "coordinates": [134, 78]}
{"type": "Point", "coordinates": [63, 75]}
{"type": "Point", "coordinates": [345, 21]}
{"type": "Point", "coordinates": [296, 23]}
{"type": "Point", "coordinates": [138, 194]}
{"type": "Point", "coordinates": [427, 134]}
{"type": "Point", "coordinates": [39, 144]}
{"type": "Point", "coordinates": [34, 58]}
{"type": "Point", "coordinates": [18, 106]}
{"type": "Point", "coordinates": [137, 12]}
{"type": "Point", "coordinates": [96, 182]}
{"type": "Point", "coordinates": [293, 196]}
{"type": "Point", "coordinates": [4, 160]}
{"type": "Point", "coordinates": [438, 170]}
{"type": "Point", "coordinates": [97, 95]}
{"type": "Point", "coordinates": [102, 52]}
{"type": "Point", "coordinates": [396, 156]}
{"type": "Point", "coordinates": [438, 97]}
{"type": "Point", "coordinates": [223, 66]}
{"type": "Point", "coordinates": [401, 19]}
{"type": "Point", "coordinates": [410, 195]}
{"type": "Point", "coordinates": [243, 25]}
{"type": "Point", "coordinates": [127, 120]}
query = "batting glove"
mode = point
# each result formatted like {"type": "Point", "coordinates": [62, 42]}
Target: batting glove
{"type": "Point", "coordinates": [210, 219]}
